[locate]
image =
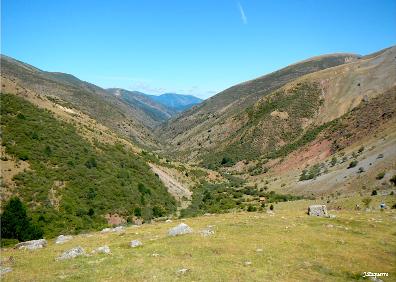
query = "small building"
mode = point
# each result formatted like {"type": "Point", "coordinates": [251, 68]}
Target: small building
{"type": "Point", "coordinates": [318, 210]}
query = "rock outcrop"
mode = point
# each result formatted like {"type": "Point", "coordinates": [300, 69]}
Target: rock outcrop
{"type": "Point", "coordinates": [72, 253]}
{"type": "Point", "coordinates": [181, 229]}
{"type": "Point", "coordinates": [31, 245]}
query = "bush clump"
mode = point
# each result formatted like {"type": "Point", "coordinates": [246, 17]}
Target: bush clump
{"type": "Point", "coordinates": [380, 175]}
{"type": "Point", "coordinates": [352, 164]}
{"type": "Point", "coordinates": [15, 223]}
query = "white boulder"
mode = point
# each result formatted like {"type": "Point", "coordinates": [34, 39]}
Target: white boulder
{"type": "Point", "coordinates": [31, 245]}
{"type": "Point", "coordinates": [181, 229]}
{"type": "Point", "coordinates": [72, 253]}
{"type": "Point", "coordinates": [63, 239]}
{"type": "Point", "coordinates": [135, 243]}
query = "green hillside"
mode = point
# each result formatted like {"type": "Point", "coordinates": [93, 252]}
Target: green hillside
{"type": "Point", "coordinates": [72, 183]}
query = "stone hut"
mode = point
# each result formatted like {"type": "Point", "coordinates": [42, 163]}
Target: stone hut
{"type": "Point", "coordinates": [318, 210]}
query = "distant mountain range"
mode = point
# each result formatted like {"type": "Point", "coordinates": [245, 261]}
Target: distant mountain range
{"type": "Point", "coordinates": [159, 108]}
{"type": "Point", "coordinates": [176, 102]}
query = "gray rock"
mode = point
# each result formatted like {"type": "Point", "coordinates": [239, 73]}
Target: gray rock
{"type": "Point", "coordinates": [182, 271]}
{"type": "Point", "coordinates": [207, 232]}
{"type": "Point", "coordinates": [181, 229]}
{"type": "Point", "coordinates": [4, 270]}
{"type": "Point", "coordinates": [135, 243]}
{"type": "Point", "coordinates": [63, 239]}
{"type": "Point", "coordinates": [106, 230]}
{"type": "Point", "coordinates": [118, 229]}
{"type": "Point", "coordinates": [72, 253]}
{"type": "Point", "coordinates": [318, 210]}
{"type": "Point", "coordinates": [102, 250]}
{"type": "Point", "coordinates": [31, 245]}
{"type": "Point", "coordinates": [115, 229]}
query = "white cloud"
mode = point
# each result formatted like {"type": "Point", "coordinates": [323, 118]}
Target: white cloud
{"type": "Point", "coordinates": [243, 16]}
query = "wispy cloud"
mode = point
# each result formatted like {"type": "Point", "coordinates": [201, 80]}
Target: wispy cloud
{"type": "Point", "coordinates": [243, 16]}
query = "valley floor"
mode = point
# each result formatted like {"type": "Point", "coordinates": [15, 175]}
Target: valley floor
{"type": "Point", "coordinates": [285, 246]}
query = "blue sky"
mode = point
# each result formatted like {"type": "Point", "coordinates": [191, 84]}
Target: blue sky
{"type": "Point", "coordinates": [190, 47]}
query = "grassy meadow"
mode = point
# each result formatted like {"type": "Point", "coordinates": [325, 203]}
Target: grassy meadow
{"type": "Point", "coordinates": [294, 247]}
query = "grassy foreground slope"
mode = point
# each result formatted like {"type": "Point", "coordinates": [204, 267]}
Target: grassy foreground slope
{"type": "Point", "coordinates": [71, 183]}
{"type": "Point", "coordinates": [294, 247]}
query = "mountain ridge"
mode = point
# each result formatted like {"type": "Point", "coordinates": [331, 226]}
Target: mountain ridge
{"type": "Point", "coordinates": [159, 107]}
{"type": "Point", "coordinates": [205, 129]}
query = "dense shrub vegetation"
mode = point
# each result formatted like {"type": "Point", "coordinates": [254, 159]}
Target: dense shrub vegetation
{"type": "Point", "coordinates": [72, 183]}
{"type": "Point", "coordinates": [223, 197]}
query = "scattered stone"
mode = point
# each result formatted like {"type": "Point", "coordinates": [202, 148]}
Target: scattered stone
{"type": "Point", "coordinates": [259, 250]}
{"type": "Point", "coordinates": [4, 270]}
{"type": "Point", "coordinates": [115, 229]}
{"type": "Point", "coordinates": [102, 250]}
{"type": "Point", "coordinates": [318, 210]}
{"type": "Point", "coordinates": [168, 220]}
{"type": "Point", "coordinates": [181, 229]}
{"type": "Point", "coordinates": [137, 221]}
{"type": "Point", "coordinates": [31, 245]}
{"type": "Point", "coordinates": [332, 216]}
{"type": "Point", "coordinates": [155, 255]}
{"type": "Point", "coordinates": [106, 230]}
{"type": "Point", "coordinates": [118, 229]}
{"type": "Point", "coordinates": [329, 225]}
{"type": "Point", "coordinates": [247, 263]}
{"type": "Point", "coordinates": [63, 239]}
{"type": "Point", "coordinates": [182, 271]}
{"type": "Point", "coordinates": [135, 243]}
{"type": "Point", "coordinates": [207, 232]}
{"type": "Point", "coordinates": [72, 253]}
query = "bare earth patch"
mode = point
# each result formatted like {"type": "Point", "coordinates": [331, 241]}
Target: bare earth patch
{"type": "Point", "coordinates": [175, 188]}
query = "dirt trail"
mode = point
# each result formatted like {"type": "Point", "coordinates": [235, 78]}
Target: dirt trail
{"type": "Point", "coordinates": [175, 188]}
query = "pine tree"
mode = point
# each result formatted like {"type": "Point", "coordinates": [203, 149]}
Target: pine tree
{"type": "Point", "coordinates": [15, 224]}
